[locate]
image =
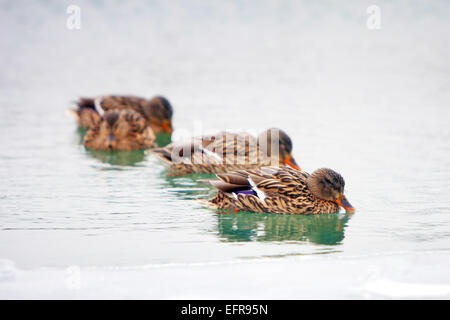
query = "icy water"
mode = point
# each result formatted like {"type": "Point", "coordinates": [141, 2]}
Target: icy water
{"type": "Point", "coordinates": [370, 104]}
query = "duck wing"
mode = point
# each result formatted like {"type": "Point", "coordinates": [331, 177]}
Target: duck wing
{"type": "Point", "coordinates": [266, 181]}
{"type": "Point", "coordinates": [120, 102]}
{"type": "Point", "coordinates": [240, 148]}
{"type": "Point", "coordinates": [179, 151]}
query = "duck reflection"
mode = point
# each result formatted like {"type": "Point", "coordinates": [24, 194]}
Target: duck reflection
{"type": "Point", "coordinates": [163, 139]}
{"type": "Point", "coordinates": [320, 229]}
{"type": "Point", "coordinates": [118, 158]}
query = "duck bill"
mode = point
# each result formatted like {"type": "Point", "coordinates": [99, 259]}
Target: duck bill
{"type": "Point", "coordinates": [167, 126]}
{"type": "Point", "coordinates": [111, 142]}
{"type": "Point", "coordinates": [290, 161]}
{"type": "Point", "coordinates": [344, 203]}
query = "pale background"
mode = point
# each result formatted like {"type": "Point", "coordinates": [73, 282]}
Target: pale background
{"type": "Point", "coordinates": [371, 104]}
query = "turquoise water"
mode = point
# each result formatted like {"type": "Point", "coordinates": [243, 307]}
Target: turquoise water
{"type": "Point", "coordinates": [372, 105]}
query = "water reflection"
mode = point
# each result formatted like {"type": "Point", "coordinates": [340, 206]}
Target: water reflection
{"type": "Point", "coordinates": [163, 139]}
{"type": "Point", "coordinates": [118, 158]}
{"type": "Point", "coordinates": [320, 229]}
{"type": "Point", "coordinates": [190, 187]}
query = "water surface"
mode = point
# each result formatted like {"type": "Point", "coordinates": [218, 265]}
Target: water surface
{"type": "Point", "coordinates": [372, 105]}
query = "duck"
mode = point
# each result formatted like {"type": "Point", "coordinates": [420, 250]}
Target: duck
{"type": "Point", "coordinates": [224, 152]}
{"type": "Point", "coordinates": [118, 129]}
{"type": "Point", "coordinates": [281, 190]}
{"type": "Point", "coordinates": [157, 111]}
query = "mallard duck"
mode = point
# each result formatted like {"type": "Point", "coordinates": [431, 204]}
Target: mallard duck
{"type": "Point", "coordinates": [157, 111]}
{"type": "Point", "coordinates": [225, 152]}
{"type": "Point", "coordinates": [118, 130]}
{"type": "Point", "coordinates": [280, 190]}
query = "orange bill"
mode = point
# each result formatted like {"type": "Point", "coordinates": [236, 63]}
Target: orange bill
{"type": "Point", "coordinates": [344, 203]}
{"type": "Point", "coordinates": [167, 126]}
{"type": "Point", "coordinates": [290, 161]}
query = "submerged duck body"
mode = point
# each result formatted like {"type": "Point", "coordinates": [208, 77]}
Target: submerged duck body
{"type": "Point", "coordinates": [280, 190]}
{"type": "Point", "coordinates": [226, 152]}
{"type": "Point", "coordinates": [157, 111]}
{"type": "Point", "coordinates": [119, 130]}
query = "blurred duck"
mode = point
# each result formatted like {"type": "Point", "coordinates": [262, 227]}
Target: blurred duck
{"type": "Point", "coordinates": [225, 152]}
{"type": "Point", "coordinates": [156, 111]}
{"type": "Point", "coordinates": [118, 130]}
{"type": "Point", "coordinates": [280, 190]}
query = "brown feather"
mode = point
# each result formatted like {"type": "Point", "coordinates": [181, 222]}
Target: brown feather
{"type": "Point", "coordinates": [120, 130]}
{"type": "Point", "coordinates": [153, 116]}
{"type": "Point", "coordinates": [286, 191]}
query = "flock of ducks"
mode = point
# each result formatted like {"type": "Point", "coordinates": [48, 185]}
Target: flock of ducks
{"type": "Point", "coordinates": [257, 174]}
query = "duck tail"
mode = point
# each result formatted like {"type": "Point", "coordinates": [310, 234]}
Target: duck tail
{"type": "Point", "coordinates": [183, 149]}
{"type": "Point", "coordinates": [73, 113]}
{"type": "Point", "coordinates": [230, 182]}
{"type": "Point", "coordinates": [162, 153]}
{"type": "Point", "coordinates": [81, 103]}
{"type": "Point", "coordinates": [86, 103]}
{"type": "Point", "coordinates": [206, 203]}
{"type": "Point", "coordinates": [86, 114]}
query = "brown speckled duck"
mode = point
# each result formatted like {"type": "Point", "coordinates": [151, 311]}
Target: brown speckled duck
{"type": "Point", "coordinates": [156, 111]}
{"type": "Point", "coordinates": [225, 152]}
{"type": "Point", "coordinates": [118, 130]}
{"type": "Point", "coordinates": [280, 190]}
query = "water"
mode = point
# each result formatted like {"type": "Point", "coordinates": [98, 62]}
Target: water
{"type": "Point", "coordinates": [373, 105]}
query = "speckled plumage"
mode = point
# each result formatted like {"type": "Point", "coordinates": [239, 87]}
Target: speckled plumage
{"type": "Point", "coordinates": [156, 111]}
{"type": "Point", "coordinates": [222, 152]}
{"type": "Point", "coordinates": [87, 117]}
{"type": "Point", "coordinates": [120, 130]}
{"type": "Point", "coordinates": [285, 189]}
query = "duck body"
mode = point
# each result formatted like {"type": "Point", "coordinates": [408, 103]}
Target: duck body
{"type": "Point", "coordinates": [119, 130]}
{"type": "Point", "coordinates": [218, 153]}
{"type": "Point", "coordinates": [269, 189]}
{"type": "Point", "coordinates": [156, 111]}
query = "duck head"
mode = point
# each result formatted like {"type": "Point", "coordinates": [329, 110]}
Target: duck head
{"type": "Point", "coordinates": [273, 138]}
{"type": "Point", "coordinates": [327, 184]}
{"type": "Point", "coordinates": [159, 112]}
